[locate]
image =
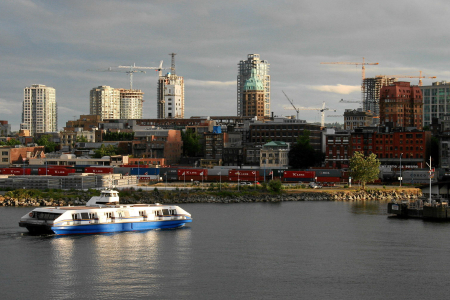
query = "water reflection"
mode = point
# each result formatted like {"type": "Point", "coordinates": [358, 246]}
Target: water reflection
{"type": "Point", "coordinates": [368, 208]}
{"type": "Point", "coordinates": [119, 263]}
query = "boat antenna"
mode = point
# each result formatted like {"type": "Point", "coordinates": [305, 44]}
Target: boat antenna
{"type": "Point", "coordinates": [431, 175]}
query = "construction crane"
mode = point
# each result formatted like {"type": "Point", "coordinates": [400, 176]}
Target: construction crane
{"type": "Point", "coordinates": [321, 110]}
{"type": "Point", "coordinates": [407, 76]}
{"type": "Point", "coordinates": [334, 116]}
{"type": "Point", "coordinates": [352, 63]}
{"type": "Point", "coordinates": [292, 103]}
{"type": "Point", "coordinates": [131, 70]}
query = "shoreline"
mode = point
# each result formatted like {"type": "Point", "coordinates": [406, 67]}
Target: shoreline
{"type": "Point", "coordinates": [225, 196]}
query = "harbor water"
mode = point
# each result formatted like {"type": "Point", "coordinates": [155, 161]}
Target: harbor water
{"type": "Point", "coordinates": [290, 250]}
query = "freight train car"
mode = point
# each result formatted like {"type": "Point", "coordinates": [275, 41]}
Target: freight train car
{"type": "Point", "coordinates": [299, 176]}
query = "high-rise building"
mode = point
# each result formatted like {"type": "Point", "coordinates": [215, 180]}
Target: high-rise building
{"type": "Point", "coordinates": [261, 70]}
{"type": "Point", "coordinates": [436, 101]}
{"type": "Point", "coordinates": [170, 94]}
{"type": "Point", "coordinates": [401, 105]}
{"type": "Point", "coordinates": [105, 102]}
{"type": "Point", "coordinates": [131, 102]}
{"type": "Point", "coordinates": [253, 97]}
{"type": "Point", "coordinates": [39, 110]}
{"type": "Point", "coordinates": [371, 93]}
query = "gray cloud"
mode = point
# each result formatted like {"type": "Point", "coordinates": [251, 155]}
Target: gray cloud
{"type": "Point", "coordinates": [55, 42]}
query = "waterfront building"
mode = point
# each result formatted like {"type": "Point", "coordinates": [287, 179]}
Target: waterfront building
{"type": "Point", "coordinates": [401, 105]}
{"type": "Point", "coordinates": [253, 67]}
{"type": "Point", "coordinates": [39, 110]}
{"type": "Point", "coordinates": [105, 102]}
{"type": "Point", "coordinates": [170, 94]}
{"type": "Point", "coordinates": [436, 101]}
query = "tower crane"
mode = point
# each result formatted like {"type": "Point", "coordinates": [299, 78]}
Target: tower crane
{"type": "Point", "coordinates": [131, 70]}
{"type": "Point", "coordinates": [352, 63]}
{"type": "Point", "coordinates": [407, 76]}
{"type": "Point", "coordinates": [292, 103]}
{"type": "Point", "coordinates": [321, 110]}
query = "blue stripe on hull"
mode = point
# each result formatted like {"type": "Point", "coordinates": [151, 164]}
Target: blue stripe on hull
{"type": "Point", "coordinates": [118, 227]}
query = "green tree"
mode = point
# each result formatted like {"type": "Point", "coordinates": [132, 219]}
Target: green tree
{"type": "Point", "coordinates": [302, 155]}
{"type": "Point", "coordinates": [364, 168]}
{"type": "Point", "coordinates": [82, 139]}
{"type": "Point", "coordinates": [45, 140]}
{"type": "Point", "coordinates": [191, 143]}
{"type": "Point", "coordinates": [12, 142]}
{"type": "Point", "coordinates": [105, 151]}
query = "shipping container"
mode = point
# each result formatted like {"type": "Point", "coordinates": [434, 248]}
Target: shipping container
{"type": "Point", "coordinates": [169, 171]}
{"type": "Point", "coordinates": [16, 171]}
{"type": "Point", "coordinates": [192, 178]}
{"type": "Point", "coordinates": [134, 166]}
{"type": "Point", "coordinates": [123, 171]}
{"type": "Point", "coordinates": [149, 177]}
{"type": "Point", "coordinates": [192, 172]}
{"type": "Point", "coordinates": [299, 174]}
{"type": "Point", "coordinates": [243, 173]}
{"type": "Point", "coordinates": [98, 170]}
{"type": "Point", "coordinates": [328, 179]}
{"type": "Point", "coordinates": [298, 179]}
{"type": "Point", "coordinates": [218, 178]}
{"type": "Point", "coordinates": [144, 171]}
{"type": "Point", "coordinates": [248, 179]}
{"type": "Point", "coordinates": [327, 172]}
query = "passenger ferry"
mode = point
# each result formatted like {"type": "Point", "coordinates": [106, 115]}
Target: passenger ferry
{"type": "Point", "coordinates": [103, 214]}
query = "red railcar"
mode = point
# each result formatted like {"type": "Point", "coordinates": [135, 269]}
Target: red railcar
{"type": "Point", "coordinates": [188, 178]}
{"type": "Point", "coordinates": [245, 178]}
{"type": "Point", "coordinates": [98, 170]}
{"type": "Point", "coordinates": [55, 171]}
{"type": "Point", "coordinates": [328, 179]}
{"type": "Point", "coordinates": [218, 178]}
{"type": "Point", "coordinates": [16, 171]}
{"type": "Point", "coordinates": [192, 172]}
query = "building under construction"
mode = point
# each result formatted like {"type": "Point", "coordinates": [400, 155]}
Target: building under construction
{"type": "Point", "coordinates": [371, 93]}
{"type": "Point", "coordinates": [170, 94]}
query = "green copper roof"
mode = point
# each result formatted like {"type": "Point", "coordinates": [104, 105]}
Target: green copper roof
{"type": "Point", "coordinates": [253, 83]}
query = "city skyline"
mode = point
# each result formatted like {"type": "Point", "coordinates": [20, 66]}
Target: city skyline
{"type": "Point", "coordinates": [55, 43]}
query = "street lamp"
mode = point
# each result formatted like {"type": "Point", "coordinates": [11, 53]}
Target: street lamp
{"type": "Point", "coordinates": [220, 181]}
{"type": "Point", "coordinates": [400, 178]}
{"type": "Point", "coordinates": [139, 172]}
{"type": "Point", "coordinates": [238, 180]}
{"type": "Point", "coordinates": [165, 174]}
{"type": "Point", "coordinates": [255, 179]}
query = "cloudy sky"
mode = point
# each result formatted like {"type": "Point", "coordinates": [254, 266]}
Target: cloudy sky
{"type": "Point", "coordinates": [55, 42]}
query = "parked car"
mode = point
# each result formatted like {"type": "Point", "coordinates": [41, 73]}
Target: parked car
{"type": "Point", "coordinates": [314, 185]}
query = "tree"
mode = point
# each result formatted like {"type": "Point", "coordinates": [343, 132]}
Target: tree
{"type": "Point", "coordinates": [45, 140]}
{"type": "Point", "coordinates": [364, 168]}
{"type": "Point", "coordinates": [302, 155]}
{"type": "Point", "coordinates": [82, 139]}
{"type": "Point", "coordinates": [191, 143]}
{"type": "Point", "coordinates": [105, 151]}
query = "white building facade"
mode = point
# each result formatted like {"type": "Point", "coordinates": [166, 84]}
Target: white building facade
{"type": "Point", "coordinates": [39, 109]}
{"type": "Point", "coordinates": [171, 97]}
{"type": "Point", "coordinates": [131, 103]}
{"type": "Point", "coordinates": [105, 102]}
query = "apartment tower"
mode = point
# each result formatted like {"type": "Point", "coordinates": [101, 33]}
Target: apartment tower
{"type": "Point", "coordinates": [131, 102]}
{"type": "Point", "coordinates": [170, 95]}
{"type": "Point", "coordinates": [39, 110]}
{"type": "Point", "coordinates": [401, 105]}
{"type": "Point", "coordinates": [105, 102]}
{"type": "Point", "coordinates": [436, 101]}
{"type": "Point", "coordinates": [261, 71]}
{"type": "Point", "coordinates": [371, 93]}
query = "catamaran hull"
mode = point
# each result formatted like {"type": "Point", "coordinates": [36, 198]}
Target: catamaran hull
{"type": "Point", "coordinates": [104, 228]}
{"type": "Point", "coordinates": [118, 227]}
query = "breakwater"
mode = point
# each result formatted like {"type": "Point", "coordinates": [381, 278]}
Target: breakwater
{"type": "Point", "coordinates": [182, 196]}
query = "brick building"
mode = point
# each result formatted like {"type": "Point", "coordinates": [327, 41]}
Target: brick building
{"type": "Point", "coordinates": [401, 105]}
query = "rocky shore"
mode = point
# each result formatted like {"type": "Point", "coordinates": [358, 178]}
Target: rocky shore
{"type": "Point", "coordinates": [179, 197]}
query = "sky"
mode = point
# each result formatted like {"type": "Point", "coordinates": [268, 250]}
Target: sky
{"type": "Point", "coordinates": [56, 43]}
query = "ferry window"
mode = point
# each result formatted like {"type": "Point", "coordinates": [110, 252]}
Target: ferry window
{"type": "Point", "coordinates": [91, 215]}
{"type": "Point", "coordinates": [85, 216]}
{"type": "Point", "coordinates": [165, 212]}
{"type": "Point", "coordinates": [158, 213]}
{"type": "Point", "coordinates": [75, 217]}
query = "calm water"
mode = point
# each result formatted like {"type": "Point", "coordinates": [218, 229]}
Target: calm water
{"type": "Point", "coordinates": [299, 250]}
